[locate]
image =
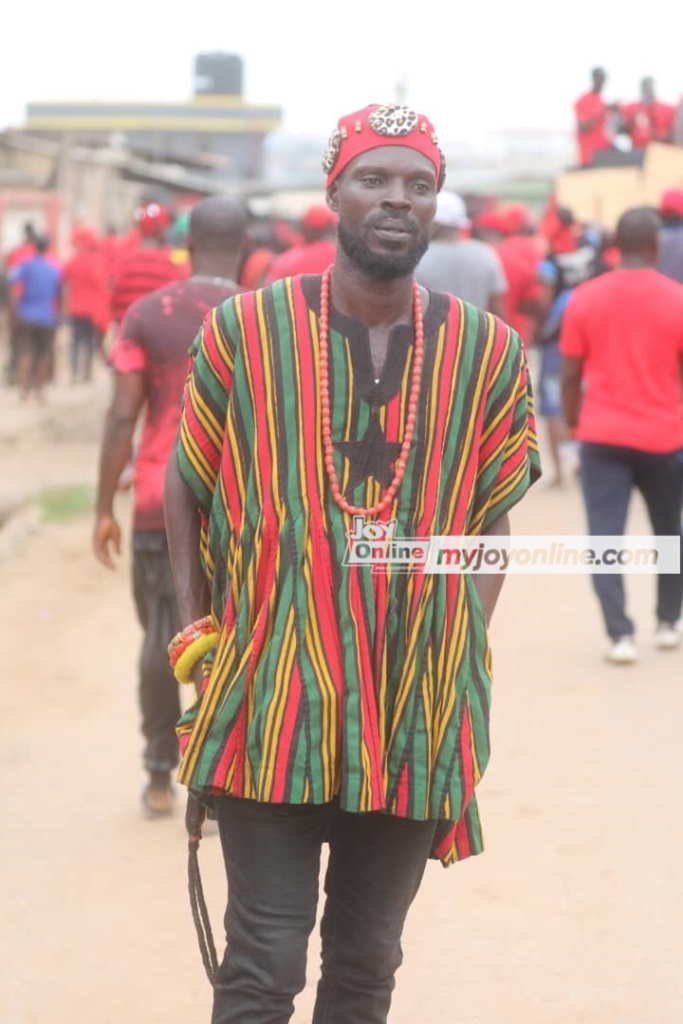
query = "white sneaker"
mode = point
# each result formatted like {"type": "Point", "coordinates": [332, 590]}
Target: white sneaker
{"type": "Point", "coordinates": [667, 637]}
{"type": "Point", "coordinates": [623, 651]}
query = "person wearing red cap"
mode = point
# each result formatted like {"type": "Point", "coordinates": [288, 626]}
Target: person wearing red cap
{"type": "Point", "coordinates": [144, 267]}
{"type": "Point", "coordinates": [339, 704]}
{"type": "Point", "coordinates": [670, 260]}
{"type": "Point", "coordinates": [316, 252]}
{"type": "Point", "coordinates": [521, 254]}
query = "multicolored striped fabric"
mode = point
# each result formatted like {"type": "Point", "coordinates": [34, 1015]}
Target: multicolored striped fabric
{"type": "Point", "coordinates": [331, 680]}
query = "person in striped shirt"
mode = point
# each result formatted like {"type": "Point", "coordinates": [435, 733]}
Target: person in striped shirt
{"type": "Point", "coordinates": [341, 705]}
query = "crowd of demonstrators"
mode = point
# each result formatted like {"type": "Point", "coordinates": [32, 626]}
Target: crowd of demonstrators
{"type": "Point", "coordinates": [622, 358]}
{"type": "Point", "coordinates": [149, 357]}
{"type": "Point", "coordinates": [99, 280]}
{"type": "Point", "coordinates": [462, 266]}
{"type": "Point", "coordinates": [600, 126]}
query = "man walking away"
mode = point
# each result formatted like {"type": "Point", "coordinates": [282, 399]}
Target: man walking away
{"type": "Point", "coordinates": [37, 314]}
{"type": "Point", "coordinates": [85, 277]}
{"type": "Point", "coordinates": [464, 267]}
{"type": "Point", "coordinates": [150, 357]}
{"type": "Point", "coordinates": [622, 340]}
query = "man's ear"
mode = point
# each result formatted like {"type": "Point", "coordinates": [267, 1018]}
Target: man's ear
{"type": "Point", "coordinates": [332, 196]}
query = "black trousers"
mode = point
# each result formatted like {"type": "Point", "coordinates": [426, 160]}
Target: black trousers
{"type": "Point", "coordinates": [608, 476]}
{"type": "Point", "coordinates": [155, 601]}
{"type": "Point", "coordinates": [83, 338]}
{"type": "Point", "coordinates": [272, 859]}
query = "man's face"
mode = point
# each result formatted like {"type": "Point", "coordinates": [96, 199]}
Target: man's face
{"type": "Point", "coordinates": [386, 200]}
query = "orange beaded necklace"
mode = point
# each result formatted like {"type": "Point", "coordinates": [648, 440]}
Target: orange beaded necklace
{"type": "Point", "coordinates": [328, 448]}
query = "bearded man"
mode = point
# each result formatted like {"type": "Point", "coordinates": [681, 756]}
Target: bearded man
{"type": "Point", "coordinates": [341, 705]}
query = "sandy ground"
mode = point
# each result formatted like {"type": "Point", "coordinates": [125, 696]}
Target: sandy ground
{"type": "Point", "coordinates": [572, 916]}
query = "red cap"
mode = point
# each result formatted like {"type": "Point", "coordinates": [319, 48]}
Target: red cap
{"type": "Point", "coordinates": [671, 204]}
{"type": "Point", "coordinates": [516, 219]}
{"type": "Point", "coordinates": [83, 238]}
{"type": "Point", "coordinates": [491, 220]}
{"type": "Point", "coordinates": [376, 126]}
{"type": "Point", "coordinates": [319, 218]}
{"type": "Point", "coordinates": [153, 219]}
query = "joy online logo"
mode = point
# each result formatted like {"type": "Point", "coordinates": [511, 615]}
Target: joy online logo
{"type": "Point", "coordinates": [377, 545]}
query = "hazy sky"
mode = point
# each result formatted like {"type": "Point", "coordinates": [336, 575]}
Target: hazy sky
{"type": "Point", "coordinates": [474, 67]}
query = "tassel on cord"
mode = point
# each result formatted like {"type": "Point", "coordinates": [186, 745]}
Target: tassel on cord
{"type": "Point", "coordinates": [194, 817]}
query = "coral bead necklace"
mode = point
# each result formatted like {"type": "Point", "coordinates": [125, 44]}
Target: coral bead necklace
{"type": "Point", "coordinates": [328, 449]}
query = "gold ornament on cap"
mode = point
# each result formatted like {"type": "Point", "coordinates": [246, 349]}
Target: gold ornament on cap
{"type": "Point", "coordinates": [332, 151]}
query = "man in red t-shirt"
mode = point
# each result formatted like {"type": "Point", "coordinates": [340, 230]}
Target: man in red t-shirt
{"type": "Point", "coordinates": [622, 340]}
{"type": "Point", "coordinates": [521, 252]}
{"type": "Point", "coordinates": [316, 252]}
{"type": "Point", "coordinates": [592, 118]}
{"type": "Point", "coordinates": [150, 355]}
{"type": "Point", "coordinates": [647, 120]}
{"type": "Point", "coordinates": [85, 277]}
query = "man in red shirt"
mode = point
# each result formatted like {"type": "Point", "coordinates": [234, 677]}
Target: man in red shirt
{"type": "Point", "coordinates": [592, 118]}
{"type": "Point", "coordinates": [151, 356]}
{"type": "Point", "coordinates": [647, 120]}
{"type": "Point", "coordinates": [520, 253]}
{"type": "Point", "coordinates": [622, 339]}
{"type": "Point", "coordinates": [85, 277]}
{"type": "Point", "coordinates": [315, 254]}
{"type": "Point", "coordinates": [149, 265]}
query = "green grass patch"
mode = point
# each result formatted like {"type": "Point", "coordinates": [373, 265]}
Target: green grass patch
{"type": "Point", "coordinates": [61, 504]}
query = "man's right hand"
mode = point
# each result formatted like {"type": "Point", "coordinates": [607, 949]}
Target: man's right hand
{"type": "Point", "coordinates": [106, 540]}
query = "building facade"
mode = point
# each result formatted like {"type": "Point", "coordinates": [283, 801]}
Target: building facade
{"type": "Point", "coordinates": [216, 130]}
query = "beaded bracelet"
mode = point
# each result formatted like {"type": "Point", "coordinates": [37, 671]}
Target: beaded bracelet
{"type": "Point", "coordinates": [193, 653]}
{"type": "Point", "coordinates": [186, 636]}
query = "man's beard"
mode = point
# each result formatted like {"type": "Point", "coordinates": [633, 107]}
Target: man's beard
{"type": "Point", "coordinates": [380, 266]}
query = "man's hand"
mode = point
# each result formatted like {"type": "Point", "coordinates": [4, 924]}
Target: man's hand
{"type": "Point", "coordinates": [106, 538]}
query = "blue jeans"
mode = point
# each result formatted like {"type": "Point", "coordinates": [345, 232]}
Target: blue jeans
{"type": "Point", "coordinates": [272, 859]}
{"type": "Point", "coordinates": [609, 473]}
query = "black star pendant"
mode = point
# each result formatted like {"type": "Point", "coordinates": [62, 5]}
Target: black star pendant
{"type": "Point", "coordinates": [372, 456]}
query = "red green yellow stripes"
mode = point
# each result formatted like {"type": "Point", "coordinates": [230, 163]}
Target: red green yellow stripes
{"type": "Point", "coordinates": [331, 680]}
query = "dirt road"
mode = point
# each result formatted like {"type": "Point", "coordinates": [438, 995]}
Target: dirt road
{"type": "Point", "coordinates": [572, 916]}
